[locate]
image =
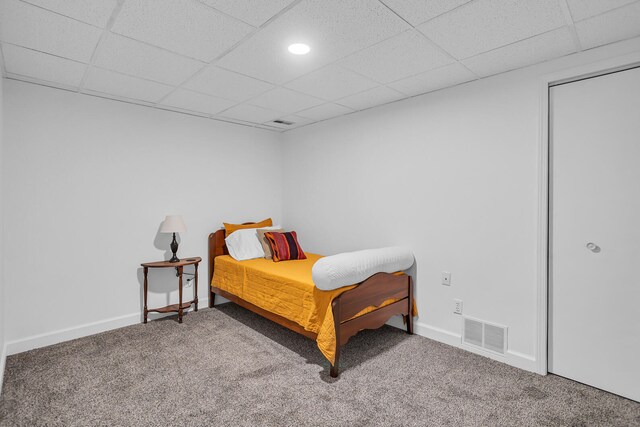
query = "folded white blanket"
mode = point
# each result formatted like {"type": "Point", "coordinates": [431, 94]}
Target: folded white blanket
{"type": "Point", "coordinates": [336, 271]}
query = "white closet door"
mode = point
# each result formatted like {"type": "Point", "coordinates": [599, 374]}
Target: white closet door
{"type": "Point", "coordinates": [594, 305]}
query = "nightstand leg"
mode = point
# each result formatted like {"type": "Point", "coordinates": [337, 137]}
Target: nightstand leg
{"type": "Point", "coordinates": [180, 295]}
{"type": "Point", "coordinates": [195, 291]}
{"type": "Point", "coordinates": [146, 270]}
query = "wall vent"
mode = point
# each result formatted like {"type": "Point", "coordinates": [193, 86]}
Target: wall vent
{"type": "Point", "coordinates": [283, 122]}
{"type": "Point", "coordinates": [485, 335]}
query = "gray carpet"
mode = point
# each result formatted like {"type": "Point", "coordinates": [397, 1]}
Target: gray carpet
{"type": "Point", "coordinates": [227, 366]}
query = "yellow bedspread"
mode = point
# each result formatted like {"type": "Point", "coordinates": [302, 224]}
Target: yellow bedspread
{"type": "Point", "coordinates": [286, 289]}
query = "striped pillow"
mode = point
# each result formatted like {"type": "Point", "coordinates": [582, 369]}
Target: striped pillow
{"type": "Point", "coordinates": [285, 246]}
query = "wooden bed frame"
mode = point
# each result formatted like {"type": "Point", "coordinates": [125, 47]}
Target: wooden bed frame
{"type": "Point", "coordinates": [371, 292]}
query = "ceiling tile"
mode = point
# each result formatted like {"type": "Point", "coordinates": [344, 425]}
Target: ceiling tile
{"type": "Point", "coordinates": [484, 25]}
{"type": "Point", "coordinates": [616, 25]}
{"type": "Point", "coordinates": [182, 26]}
{"type": "Point", "coordinates": [30, 26]}
{"type": "Point", "coordinates": [326, 111]}
{"type": "Point", "coordinates": [439, 78]}
{"type": "Point", "coordinates": [536, 49]}
{"type": "Point", "coordinates": [371, 98]}
{"type": "Point", "coordinates": [396, 58]}
{"type": "Point", "coordinates": [419, 11]}
{"type": "Point", "coordinates": [251, 113]}
{"type": "Point", "coordinates": [333, 29]}
{"type": "Point", "coordinates": [227, 84]}
{"type": "Point", "coordinates": [285, 100]}
{"type": "Point", "coordinates": [582, 9]}
{"type": "Point", "coordinates": [331, 83]}
{"type": "Point", "coordinates": [94, 12]}
{"type": "Point", "coordinates": [194, 101]}
{"type": "Point", "coordinates": [38, 65]}
{"type": "Point", "coordinates": [253, 12]}
{"type": "Point", "coordinates": [131, 57]}
{"type": "Point", "coordinates": [117, 84]}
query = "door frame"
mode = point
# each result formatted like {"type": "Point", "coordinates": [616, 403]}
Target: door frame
{"type": "Point", "coordinates": [543, 279]}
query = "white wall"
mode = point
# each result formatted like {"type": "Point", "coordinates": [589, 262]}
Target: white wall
{"type": "Point", "coordinates": [87, 182]}
{"type": "Point", "coordinates": [454, 176]}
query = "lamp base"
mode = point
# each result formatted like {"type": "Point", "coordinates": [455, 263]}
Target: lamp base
{"type": "Point", "coordinates": [174, 249]}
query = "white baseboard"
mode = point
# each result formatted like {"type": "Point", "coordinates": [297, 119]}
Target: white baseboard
{"type": "Point", "coordinates": [3, 360]}
{"type": "Point", "coordinates": [67, 334]}
{"type": "Point", "coordinates": [221, 300]}
{"type": "Point", "coordinates": [513, 358]}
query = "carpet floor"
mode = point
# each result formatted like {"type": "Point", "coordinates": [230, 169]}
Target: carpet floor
{"type": "Point", "coordinates": [227, 366]}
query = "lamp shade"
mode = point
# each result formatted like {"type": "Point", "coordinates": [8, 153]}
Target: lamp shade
{"type": "Point", "coordinates": [173, 224]}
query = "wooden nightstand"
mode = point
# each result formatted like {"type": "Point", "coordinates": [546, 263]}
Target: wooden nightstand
{"type": "Point", "coordinates": [179, 266]}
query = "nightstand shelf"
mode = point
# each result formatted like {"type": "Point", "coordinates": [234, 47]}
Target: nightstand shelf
{"type": "Point", "coordinates": [172, 308]}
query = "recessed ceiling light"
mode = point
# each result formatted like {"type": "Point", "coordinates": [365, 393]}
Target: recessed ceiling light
{"type": "Point", "coordinates": [299, 48]}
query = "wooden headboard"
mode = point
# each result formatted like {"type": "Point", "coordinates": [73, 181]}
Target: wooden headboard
{"type": "Point", "coordinates": [217, 247]}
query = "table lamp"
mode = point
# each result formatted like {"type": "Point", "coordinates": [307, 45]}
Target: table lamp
{"type": "Point", "coordinates": [173, 224]}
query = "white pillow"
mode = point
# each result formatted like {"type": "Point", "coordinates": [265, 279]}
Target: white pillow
{"type": "Point", "coordinates": [244, 244]}
{"type": "Point", "coordinates": [336, 271]}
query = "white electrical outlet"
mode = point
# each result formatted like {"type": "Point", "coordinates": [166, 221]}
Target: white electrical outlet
{"type": "Point", "coordinates": [189, 283]}
{"type": "Point", "coordinates": [446, 278]}
{"type": "Point", "coordinates": [457, 306]}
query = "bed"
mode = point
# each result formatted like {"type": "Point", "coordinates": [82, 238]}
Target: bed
{"type": "Point", "coordinates": [284, 293]}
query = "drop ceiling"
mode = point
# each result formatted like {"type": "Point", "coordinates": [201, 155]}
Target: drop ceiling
{"type": "Point", "coordinates": [228, 59]}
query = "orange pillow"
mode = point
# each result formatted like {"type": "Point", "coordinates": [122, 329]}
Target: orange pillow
{"type": "Point", "coordinates": [230, 228]}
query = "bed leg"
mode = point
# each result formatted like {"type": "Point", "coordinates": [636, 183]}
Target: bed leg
{"type": "Point", "coordinates": [410, 312]}
{"type": "Point", "coordinates": [212, 298]}
{"type": "Point", "coordinates": [335, 371]}
{"type": "Point", "coordinates": [335, 368]}
{"type": "Point", "coordinates": [410, 324]}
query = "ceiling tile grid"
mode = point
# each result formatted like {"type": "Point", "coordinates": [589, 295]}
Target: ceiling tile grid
{"type": "Point", "coordinates": [42, 66]}
{"type": "Point", "coordinates": [331, 82]}
{"type": "Point", "coordinates": [370, 98]}
{"type": "Point", "coordinates": [186, 27]}
{"type": "Point", "coordinates": [94, 12]}
{"type": "Point", "coordinates": [536, 49]}
{"type": "Point", "coordinates": [418, 11]}
{"type": "Point", "coordinates": [112, 83]}
{"type": "Point", "coordinates": [227, 84]}
{"type": "Point", "coordinates": [618, 24]}
{"type": "Point", "coordinates": [583, 9]}
{"type": "Point", "coordinates": [334, 28]}
{"type": "Point", "coordinates": [449, 75]}
{"type": "Point", "coordinates": [398, 57]}
{"type": "Point", "coordinates": [253, 12]}
{"type": "Point", "coordinates": [194, 101]}
{"type": "Point", "coordinates": [484, 25]}
{"type": "Point", "coordinates": [251, 113]}
{"type": "Point", "coordinates": [35, 28]}
{"type": "Point", "coordinates": [285, 100]}
{"type": "Point", "coordinates": [228, 59]}
{"type": "Point", "coordinates": [137, 59]}
{"type": "Point", "coordinates": [325, 111]}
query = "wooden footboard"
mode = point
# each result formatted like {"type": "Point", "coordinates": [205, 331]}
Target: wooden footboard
{"type": "Point", "coordinates": [373, 292]}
